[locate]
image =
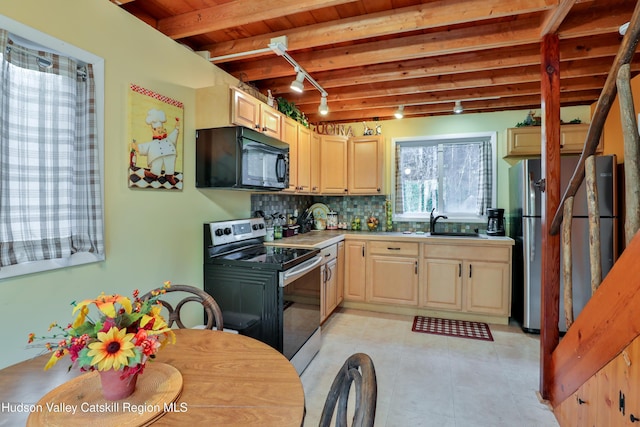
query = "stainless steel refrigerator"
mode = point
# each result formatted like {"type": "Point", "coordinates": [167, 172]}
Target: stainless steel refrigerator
{"type": "Point", "coordinates": [526, 204]}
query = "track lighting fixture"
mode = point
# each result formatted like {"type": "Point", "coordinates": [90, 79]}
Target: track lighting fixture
{"type": "Point", "coordinates": [297, 85]}
{"type": "Point", "coordinates": [457, 108]}
{"type": "Point", "coordinates": [399, 112]}
{"type": "Point", "coordinates": [323, 109]}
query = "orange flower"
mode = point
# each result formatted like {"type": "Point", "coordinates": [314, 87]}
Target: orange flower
{"type": "Point", "coordinates": [105, 304]}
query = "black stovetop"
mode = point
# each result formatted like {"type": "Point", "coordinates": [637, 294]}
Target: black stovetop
{"type": "Point", "coordinates": [271, 257]}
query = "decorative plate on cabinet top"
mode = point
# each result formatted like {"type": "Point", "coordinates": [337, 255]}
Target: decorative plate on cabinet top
{"type": "Point", "coordinates": [319, 211]}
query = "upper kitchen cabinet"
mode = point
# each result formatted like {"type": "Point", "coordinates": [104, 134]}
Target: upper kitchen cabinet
{"type": "Point", "coordinates": [315, 163]}
{"type": "Point", "coordinates": [301, 155]}
{"type": "Point", "coordinates": [333, 164]}
{"type": "Point", "coordinates": [290, 136]}
{"type": "Point", "coordinates": [526, 141]}
{"type": "Point", "coordinates": [249, 112]}
{"type": "Point", "coordinates": [365, 165]}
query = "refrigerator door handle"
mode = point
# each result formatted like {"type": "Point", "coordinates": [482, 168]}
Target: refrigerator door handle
{"type": "Point", "coordinates": [532, 196]}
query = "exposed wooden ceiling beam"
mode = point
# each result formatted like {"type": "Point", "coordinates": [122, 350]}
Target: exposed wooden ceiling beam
{"type": "Point", "coordinates": [553, 18]}
{"type": "Point", "coordinates": [440, 13]}
{"type": "Point", "coordinates": [238, 12]}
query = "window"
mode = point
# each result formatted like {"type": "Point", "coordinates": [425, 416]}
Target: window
{"type": "Point", "coordinates": [452, 175]}
{"type": "Point", "coordinates": [51, 212]}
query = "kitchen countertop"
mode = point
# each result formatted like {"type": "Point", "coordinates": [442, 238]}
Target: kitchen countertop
{"type": "Point", "coordinates": [322, 238]}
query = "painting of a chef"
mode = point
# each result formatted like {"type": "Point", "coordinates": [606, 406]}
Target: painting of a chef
{"type": "Point", "coordinates": [161, 150]}
{"type": "Point", "coordinates": [155, 140]}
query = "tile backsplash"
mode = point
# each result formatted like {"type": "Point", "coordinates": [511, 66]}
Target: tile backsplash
{"type": "Point", "coordinates": [347, 208]}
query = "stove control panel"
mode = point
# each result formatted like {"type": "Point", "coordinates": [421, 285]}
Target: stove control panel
{"type": "Point", "coordinates": [223, 232]}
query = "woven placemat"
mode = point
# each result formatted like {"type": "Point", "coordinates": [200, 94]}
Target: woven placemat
{"type": "Point", "coordinates": [79, 402]}
{"type": "Point", "coordinates": [452, 328]}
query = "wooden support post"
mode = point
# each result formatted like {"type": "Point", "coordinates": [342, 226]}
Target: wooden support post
{"type": "Point", "coordinates": [594, 223]}
{"type": "Point", "coordinates": [550, 286]}
{"type": "Point", "coordinates": [567, 264]}
{"type": "Point", "coordinates": [631, 154]}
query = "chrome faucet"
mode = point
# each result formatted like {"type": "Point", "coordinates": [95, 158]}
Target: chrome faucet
{"type": "Point", "coordinates": [432, 220]}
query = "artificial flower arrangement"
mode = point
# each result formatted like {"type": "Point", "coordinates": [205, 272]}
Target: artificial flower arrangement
{"type": "Point", "coordinates": [123, 336]}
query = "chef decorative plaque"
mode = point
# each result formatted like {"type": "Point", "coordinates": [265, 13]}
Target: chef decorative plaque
{"type": "Point", "coordinates": [155, 140]}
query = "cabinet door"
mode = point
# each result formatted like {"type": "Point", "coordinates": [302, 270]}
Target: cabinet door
{"type": "Point", "coordinates": [355, 270]}
{"type": "Point", "coordinates": [487, 289]}
{"type": "Point", "coordinates": [330, 297]}
{"type": "Point", "coordinates": [245, 110]}
{"type": "Point", "coordinates": [392, 279]}
{"type": "Point", "coordinates": [270, 121]}
{"type": "Point", "coordinates": [340, 273]}
{"type": "Point", "coordinates": [442, 284]}
{"type": "Point", "coordinates": [366, 163]}
{"type": "Point", "coordinates": [290, 136]}
{"type": "Point", "coordinates": [304, 159]}
{"type": "Point", "coordinates": [314, 163]}
{"type": "Point", "coordinates": [333, 164]}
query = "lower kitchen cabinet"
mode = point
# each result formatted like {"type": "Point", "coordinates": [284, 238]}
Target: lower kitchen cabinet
{"type": "Point", "coordinates": [329, 278]}
{"type": "Point", "coordinates": [355, 270]}
{"type": "Point", "coordinates": [340, 269]}
{"type": "Point", "coordinates": [392, 270]}
{"type": "Point", "coordinates": [473, 279]}
{"type": "Point", "coordinates": [442, 284]}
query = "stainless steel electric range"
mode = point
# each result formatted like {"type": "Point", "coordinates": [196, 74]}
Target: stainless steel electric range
{"type": "Point", "coordinates": [265, 292]}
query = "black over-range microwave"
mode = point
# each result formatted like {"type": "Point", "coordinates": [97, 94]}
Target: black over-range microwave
{"type": "Point", "coordinates": [240, 158]}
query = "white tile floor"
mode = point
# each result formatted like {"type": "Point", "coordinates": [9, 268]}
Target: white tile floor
{"type": "Point", "coordinates": [431, 380]}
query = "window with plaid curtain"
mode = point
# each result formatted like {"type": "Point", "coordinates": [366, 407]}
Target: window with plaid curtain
{"type": "Point", "coordinates": [455, 175]}
{"type": "Point", "coordinates": [50, 179]}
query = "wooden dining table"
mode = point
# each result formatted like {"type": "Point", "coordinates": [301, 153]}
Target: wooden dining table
{"type": "Point", "coordinates": [227, 380]}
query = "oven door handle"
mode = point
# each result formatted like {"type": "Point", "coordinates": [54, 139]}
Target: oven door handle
{"type": "Point", "coordinates": [301, 269]}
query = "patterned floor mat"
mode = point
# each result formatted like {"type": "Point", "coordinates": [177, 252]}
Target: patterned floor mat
{"type": "Point", "coordinates": [452, 328]}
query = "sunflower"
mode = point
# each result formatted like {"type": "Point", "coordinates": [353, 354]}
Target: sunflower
{"type": "Point", "coordinates": [112, 350]}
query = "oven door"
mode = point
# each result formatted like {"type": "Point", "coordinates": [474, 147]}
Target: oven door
{"type": "Point", "coordinates": [301, 312]}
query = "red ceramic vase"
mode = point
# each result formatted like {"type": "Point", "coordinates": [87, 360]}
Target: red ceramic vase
{"type": "Point", "coordinates": [115, 388]}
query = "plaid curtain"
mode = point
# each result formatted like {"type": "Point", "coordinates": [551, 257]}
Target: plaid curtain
{"type": "Point", "coordinates": [485, 181]}
{"type": "Point", "coordinates": [50, 191]}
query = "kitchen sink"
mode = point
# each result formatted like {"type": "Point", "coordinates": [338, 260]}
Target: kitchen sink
{"type": "Point", "coordinates": [456, 234]}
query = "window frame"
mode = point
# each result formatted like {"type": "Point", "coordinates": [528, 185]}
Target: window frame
{"type": "Point", "coordinates": [49, 43]}
{"type": "Point", "coordinates": [491, 137]}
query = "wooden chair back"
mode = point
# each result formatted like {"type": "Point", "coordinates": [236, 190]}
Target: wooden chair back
{"type": "Point", "coordinates": [358, 369]}
{"type": "Point", "coordinates": [211, 307]}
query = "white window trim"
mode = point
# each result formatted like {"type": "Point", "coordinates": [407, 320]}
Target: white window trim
{"type": "Point", "coordinates": [55, 45]}
{"type": "Point", "coordinates": [457, 137]}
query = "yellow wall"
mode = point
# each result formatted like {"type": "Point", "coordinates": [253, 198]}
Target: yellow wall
{"type": "Point", "coordinates": [151, 236]}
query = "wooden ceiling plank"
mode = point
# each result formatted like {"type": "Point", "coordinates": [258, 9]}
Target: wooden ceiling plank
{"type": "Point", "coordinates": [430, 15]}
{"type": "Point", "coordinates": [121, 2]}
{"type": "Point", "coordinates": [238, 12]}
{"type": "Point", "coordinates": [553, 18]}
{"type": "Point", "coordinates": [461, 40]}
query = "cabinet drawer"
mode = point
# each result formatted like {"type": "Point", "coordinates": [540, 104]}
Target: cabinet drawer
{"type": "Point", "coordinates": [393, 248]}
{"type": "Point", "coordinates": [329, 253]}
{"type": "Point", "coordinates": [482, 253]}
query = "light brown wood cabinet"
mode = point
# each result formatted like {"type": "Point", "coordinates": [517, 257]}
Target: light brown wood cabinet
{"type": "Point", "coordinates": [333, 164]}
{"type": "Point", "coordinates": [341, 269]}
{"type": "Point", "coordinates": [290, 136]}
{"type": "Point", "coordinates": [329, 285]}
{"type": "Point", "coordinates": [355, 270]}
{"type": "Point", "coordinates": [249, 112]}
{"type": "Point", "coordinates": [392, 271]}
{"type": "Point", "coordinates": [526, 141]}
{"type": "Point", "coordinates": [473, 279]}
{"type": "Point", "coordinates": [315, 163]}
{"type": "Point", "coordinates": [365, 165]}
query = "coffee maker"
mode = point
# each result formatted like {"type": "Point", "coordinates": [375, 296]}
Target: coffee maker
{"type": "Point", "coordinates": [495, 222]}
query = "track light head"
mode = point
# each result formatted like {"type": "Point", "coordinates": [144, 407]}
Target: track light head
{"type": "Point", "coordinates": [457, 108]}
{"type": "Point", "coordinates": [323, 109]}
{"type": "Point", "coordinates": [399, 112]}
{"type": "Point", "coordinates": [297, 85]}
